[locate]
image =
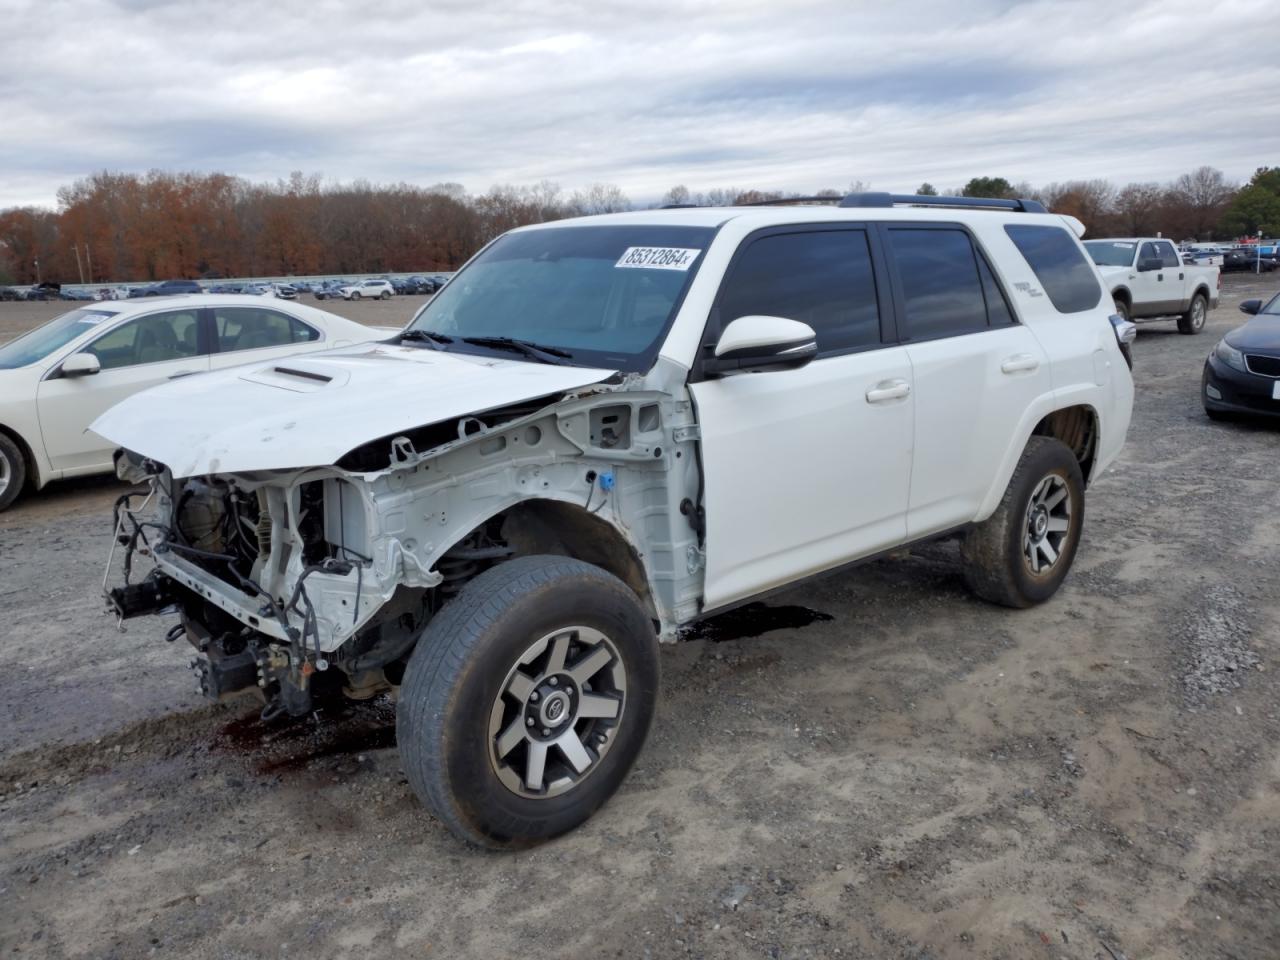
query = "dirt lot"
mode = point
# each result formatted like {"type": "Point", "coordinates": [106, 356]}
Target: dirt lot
{"type": "Point", "coordinates": [919, 776]}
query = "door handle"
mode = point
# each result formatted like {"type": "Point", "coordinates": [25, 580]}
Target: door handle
{"type": "Point", "coordinates": [1159, 276]}
{"type": "Point", "coordinates": [1181, 275]}
{"type": "Point", "coordinates": [183, 373]}
{"type": "Point", "coordinates": [887, 390]}
{"type": "Point", "coordinates": [1019, 363]}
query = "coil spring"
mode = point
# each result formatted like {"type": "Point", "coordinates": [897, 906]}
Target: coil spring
{"type": "Point", "coordinates": [456, 571]}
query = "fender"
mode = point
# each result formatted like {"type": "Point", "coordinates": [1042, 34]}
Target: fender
{"type": "Point", "coordinates": [1078, 396]}
{"type": "Point", "coordinates": [38, 471]}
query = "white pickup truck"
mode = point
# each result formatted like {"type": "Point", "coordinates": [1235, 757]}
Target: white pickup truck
{"type": "Point", "coordinates": [1148, 279]}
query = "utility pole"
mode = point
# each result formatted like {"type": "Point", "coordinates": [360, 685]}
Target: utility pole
{"type": "Point", "coordinates": [37, 260]}
{"type": "Point", "coordinates": [89, 256]}
{"type": "Point", "coordinates": [79, 266]}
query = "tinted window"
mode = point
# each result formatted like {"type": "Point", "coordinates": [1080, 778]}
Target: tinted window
{"type": "Point", "coordinates": [998, 312]}
{"type": "Point", "coordinates": [1148, 252]}
{"type": "Point", "coordinates": [1168, 255]}
{"type": "Point", "coordinates": [250, 328]}
{"type": "Point", "coordinates": [822, 278]}
{"type": "Point", "coordinates": [1055, 258]}
{"type": "Point", "coordinates": [173, 335]}
{"type": "Point", "coordinates": [941, 290]}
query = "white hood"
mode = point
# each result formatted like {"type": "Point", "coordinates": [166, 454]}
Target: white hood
{"type": "Point", "coordinates": [308, 411]}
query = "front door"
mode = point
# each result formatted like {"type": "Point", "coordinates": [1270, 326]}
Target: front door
{"type": "Point", "coordinates": [810, 468]}
{"type": "Point", "coordinates": [140, 353]}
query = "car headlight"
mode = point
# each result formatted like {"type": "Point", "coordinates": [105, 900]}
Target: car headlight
{"type": "Point", "coordinates": [1230, 356]}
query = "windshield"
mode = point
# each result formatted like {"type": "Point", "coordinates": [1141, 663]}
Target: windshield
{"type": "Point", "coordinates": [1272, 306]}
{"type": "Point", "coordinates": [42, 341]}
{"type": "Point", "coordinates": [603, 295]}
{"type": "Point", "coordinates": [1111, 253]}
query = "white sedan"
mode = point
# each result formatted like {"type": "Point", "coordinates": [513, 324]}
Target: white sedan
{"type": "Point", "coordinates": [58, 378]}
{"type": "Point", "coordinates": [381, 289]}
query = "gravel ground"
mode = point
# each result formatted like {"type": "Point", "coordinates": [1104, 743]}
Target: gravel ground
{"type": "Point", "coordinates": [912, 774]}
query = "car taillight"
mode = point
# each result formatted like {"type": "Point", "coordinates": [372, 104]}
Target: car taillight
{"type": "Point", "coordinates": [1126, 332]}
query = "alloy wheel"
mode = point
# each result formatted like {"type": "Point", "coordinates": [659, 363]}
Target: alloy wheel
{"type": "Point", "coordinates": [1197, 314]}
{"type": "Point", "coordinates": [6, 474]}
{"type": "Point", "coordinates": [556, 714]}
{"type": "Point", "coordinates": [1048, 523]}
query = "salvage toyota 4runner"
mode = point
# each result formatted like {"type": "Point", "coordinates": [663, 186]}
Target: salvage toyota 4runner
{"type": "Point", "coordinates": [600, 431]}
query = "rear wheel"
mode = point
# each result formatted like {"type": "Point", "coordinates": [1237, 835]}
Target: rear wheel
{"type": "Point", "coordinates": [527, 700]}
{"type": "Point", "coordinates": [385, 295]}
{"type": "Point", "coordinates": [1020, 555]}
{"type": "Point", "coordinates": [1122, 308]}
{"type": "Point", "coordinates": [1193, 320]}
{"type": "Point", "coordinates": [13, 471]}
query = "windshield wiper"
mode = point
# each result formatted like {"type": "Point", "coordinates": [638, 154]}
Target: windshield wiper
{"type": "Point", "coordinates": [534, 351]}
{"type": "Point", "coordinates": [426, 336]}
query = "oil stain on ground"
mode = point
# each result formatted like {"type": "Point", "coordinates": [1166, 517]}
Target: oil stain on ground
{"type": "Point", "coordinates": [752, 620]}
{"type": "Point", "coordinates": [293, 744]}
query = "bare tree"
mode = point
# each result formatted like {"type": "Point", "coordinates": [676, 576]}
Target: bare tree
{"type": "Point", "coordinates": [676, 196]}
{"type": "Point", "coordinates": [598, 198]}
{"type": "Point", "coordinates": [1137, 208]}
{"type": "Point", "coordinates": [1197, 200]}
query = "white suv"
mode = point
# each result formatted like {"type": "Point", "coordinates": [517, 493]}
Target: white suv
{"type": "Point", "coordinates": [381, 289]}
{"type": "Point", "coordinates": [602, 430]}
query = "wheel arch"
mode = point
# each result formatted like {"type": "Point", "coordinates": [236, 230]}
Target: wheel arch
{"type": "Point", "coordinates": [549, 526]}
{"type": "Point", "coordinates": [1122, 293]}
{"type": "Point", "coordinates": [35, 478]}
{"type": "Point", "coordinates": [1077, 427]}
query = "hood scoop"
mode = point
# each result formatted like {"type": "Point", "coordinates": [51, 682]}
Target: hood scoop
{"type": "Point", "coordinates": [297, 377]}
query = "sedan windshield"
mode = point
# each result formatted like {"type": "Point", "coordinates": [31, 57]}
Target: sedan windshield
{"type": "Point", "coordinates": [1272, 306]}
{"type": "Point", "coordinates": [595, 295]}
{"type": "Point", "coordinates": [42, 341]}
{"type": "Point", "coordinates": [1110, 253]}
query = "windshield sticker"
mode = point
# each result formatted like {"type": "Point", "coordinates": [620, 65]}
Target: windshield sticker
{"type": "Point", "coordinates": [1123, 246]}
{"type": "Point", "coordinates": [658, 258]}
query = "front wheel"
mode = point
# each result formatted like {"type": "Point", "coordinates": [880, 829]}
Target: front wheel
{"type": "Point", "coordinates": [1020, 555]}
{"type": "Point", "coordinates": [1122, 308]}
{"type": "Point", "coordinates": [13, 471]}
{"type": "Point", "coordinates": [1193, 320]}
{"type": "Point", "coordinates": [527, 700]}
{"type": "Point", "coordinates": [355, 296]}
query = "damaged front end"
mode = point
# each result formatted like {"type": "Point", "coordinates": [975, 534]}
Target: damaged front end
{"type": "Point", "coordinates": [302, 584]}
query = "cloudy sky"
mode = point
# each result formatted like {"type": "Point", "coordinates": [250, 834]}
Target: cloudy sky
{"type": "Point", "coordinates": [801, 94]}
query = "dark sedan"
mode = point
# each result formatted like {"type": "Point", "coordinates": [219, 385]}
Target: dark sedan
{"type": "Point", "coordinates": [1244, 259]}
{"type": "Point", "coordinates": [1242, 374]}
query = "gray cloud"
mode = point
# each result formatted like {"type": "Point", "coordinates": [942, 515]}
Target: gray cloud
{"type": "Point", "coordinates": [727, 92]}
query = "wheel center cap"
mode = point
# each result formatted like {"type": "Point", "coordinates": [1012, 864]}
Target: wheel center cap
{"type": "Point", "coordinates": [555, 709]}
{"type": "Point", "coordinates": [1039, 522]}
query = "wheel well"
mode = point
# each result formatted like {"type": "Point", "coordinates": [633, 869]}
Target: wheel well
{"type": "Point", "coordinates": [1077, 427]}
{"type": "Point", "coordinates": [1202, 289]}
{"type": "Point", "coordinates": [1120, 293]}
{"type": "Point", "coordinates": [564, 529]}
{"type": "Point", "coordinates": [33, 478]}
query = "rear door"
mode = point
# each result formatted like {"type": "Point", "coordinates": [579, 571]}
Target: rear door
{"type": "Point", "coordinates": [248, 334]}
{"type": "Point", "coordinates": [976, 369]}
{"type": "Point", "coordinates": [805, 469]}
{"type": "Point", "coordinates": [142, 352]}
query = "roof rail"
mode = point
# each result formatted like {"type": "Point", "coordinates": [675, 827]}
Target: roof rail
{"type": "Point", "coordinates": [783, 201]}
{"type": "Point", "coordinates": [909, 199]}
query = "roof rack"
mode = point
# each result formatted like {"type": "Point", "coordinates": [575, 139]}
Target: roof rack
{"type": "Point", "coordinates": [909, 199]}
{"type": "Point", "coordinates": [783, 201]}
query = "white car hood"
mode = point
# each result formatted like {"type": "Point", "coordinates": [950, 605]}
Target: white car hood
{"type": "Point", "coordinates": [308, 411]}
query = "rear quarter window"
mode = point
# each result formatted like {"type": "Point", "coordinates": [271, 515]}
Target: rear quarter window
{"type": "Point", "coordinates": [1055, 258]}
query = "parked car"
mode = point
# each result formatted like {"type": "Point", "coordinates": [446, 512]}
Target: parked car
{"type": "Point", "coordinates": [56, 379]}
{"type": "Point", "coordinates": [603, 431]}
{"type": "Point", "coordinates": [285, 291]}
{"type": "Point", "coordinates": [167, 288]}
{"type": "Point", "coordinates": [380, 289]}
{"type": "Point", "coordinates": [8, 293]}
{"type": "Point", "coordinates": [1148, 280]}
{"type": "Point", "coordinates": [328, 289]}
{"type": "Point", "coordinates": [1242, 374]}
{"type": "Point", "coordinates": [1242, 259]}
{"type": "Point", "coordinates": [44, 291]}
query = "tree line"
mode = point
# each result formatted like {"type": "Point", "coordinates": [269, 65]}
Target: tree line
{"type": "Point", "coordinates": [161, 225]}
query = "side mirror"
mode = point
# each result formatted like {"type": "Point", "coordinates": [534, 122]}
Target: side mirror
{"type": "Point", "coordinates": [756, 343]}
{"type": "Point", "coordinates": [80, 365]}
{"type": "Point", "coordinates": [1250, 306]}
{"type": "Point", "coordinates": [1151, 263]}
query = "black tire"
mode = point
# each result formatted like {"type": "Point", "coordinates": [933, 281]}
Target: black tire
{"type": "Point", "coordinates": [456, 678]}
{"type": "Point", "coordinates": [13, 471]}
{"type": "Point", "coordinates": [355, 295]}
{"type": "Point", "coordinates": [1193, 320]}
{"type": "Point", "coordinates": [1122, 308]}
{"type": "Point", "coordinates": [384, 295]}
{"type": "Point", "coordinates": [997, 565]}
